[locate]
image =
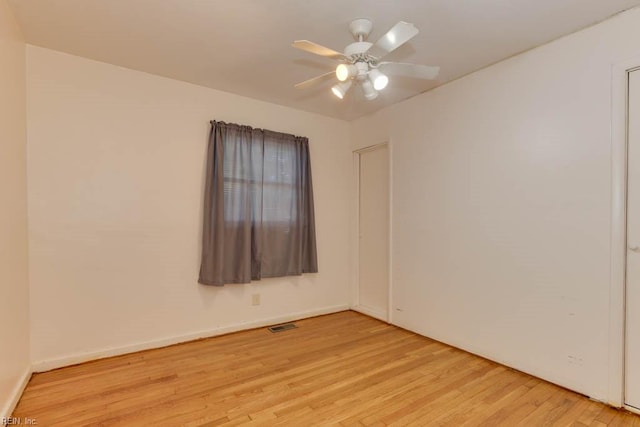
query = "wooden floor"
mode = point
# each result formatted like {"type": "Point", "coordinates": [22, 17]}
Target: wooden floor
{"type": "Point", "coordinates": [340, 369]}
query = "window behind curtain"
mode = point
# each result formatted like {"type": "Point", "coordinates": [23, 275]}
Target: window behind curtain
{"type": "Point", "coordinates": [258, 214]}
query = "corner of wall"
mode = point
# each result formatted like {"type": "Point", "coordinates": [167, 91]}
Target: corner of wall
{"type": "Point", "coordinates": [15, 363]}
{"type": "Point", "coordinates": [16, 393]}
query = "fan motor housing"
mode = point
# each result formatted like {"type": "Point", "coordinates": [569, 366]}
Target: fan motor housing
{"type": "Point", "coordinates": [357, 48]}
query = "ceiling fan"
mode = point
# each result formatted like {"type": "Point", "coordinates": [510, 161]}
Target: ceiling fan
{"type": "Point", "coordinates": [361, 61]}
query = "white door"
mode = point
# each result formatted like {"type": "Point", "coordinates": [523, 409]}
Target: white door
{"type": "Point", "coordinates": [373, 249]}
{"type": "Point", "coordinates": [632, 383]}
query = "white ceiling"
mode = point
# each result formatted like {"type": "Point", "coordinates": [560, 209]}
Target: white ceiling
{"type": "Point", "coordinates": [243, 46]}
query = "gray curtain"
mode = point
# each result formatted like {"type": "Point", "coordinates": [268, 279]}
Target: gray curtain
{"type": "Point", "coordinates": [258, 206]}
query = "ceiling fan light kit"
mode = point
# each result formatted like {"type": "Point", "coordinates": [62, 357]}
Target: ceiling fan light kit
{"type": "Point", "coordinates": [370, 93]}
{"type": "Point", "coordinates": [378, 79]}
{"type": "Point", "coordinates": [346, 71]}
{"type": "Point", "coordinates": [341, 89]}
{"type": "Point", "coordinates": [360, 61]}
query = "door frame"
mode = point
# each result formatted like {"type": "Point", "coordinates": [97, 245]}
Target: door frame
{"type": "Point", "coordinates": [355, 294]}
{"type": "Point", "coordinates": [617, 289]}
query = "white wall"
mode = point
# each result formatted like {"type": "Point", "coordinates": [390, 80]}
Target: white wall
{"type": "Point", "coordinates": [14, 288]}
{"type": "Point", "coordinates": [116, 164]}
{"type": "Point", "coordinates": [501, 207]}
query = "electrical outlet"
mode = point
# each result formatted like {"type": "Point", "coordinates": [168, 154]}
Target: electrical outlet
{"type": "Point", "coordinates": [255, 299]}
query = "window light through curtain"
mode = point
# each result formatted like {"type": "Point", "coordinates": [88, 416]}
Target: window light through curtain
{"type": "Point", "coordinates": [258, 206]}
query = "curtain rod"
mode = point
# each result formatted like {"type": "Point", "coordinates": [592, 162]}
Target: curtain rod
{"type": "Point", "coordinates": [213, 122]}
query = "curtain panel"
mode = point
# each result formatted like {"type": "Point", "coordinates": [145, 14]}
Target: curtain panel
{"type": "Point", "coordinates": [258, 206]}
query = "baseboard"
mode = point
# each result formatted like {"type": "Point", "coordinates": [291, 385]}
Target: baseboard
{"type": "Point", "coordinates": [532, 370]}
{"type": "Point", "coordinates": [632, 409]}
{"type": "Point", "coordinates": [47, 365]}
{"type": "Point", "coordinates": [16, 394]}
{"type": "Point", "coordinates": [371, 312]}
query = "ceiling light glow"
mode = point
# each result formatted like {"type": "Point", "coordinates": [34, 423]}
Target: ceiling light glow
{"type": "Point", "coordinates": [379, 80]}
{"type": "Point", "coordinates": [344, 71]}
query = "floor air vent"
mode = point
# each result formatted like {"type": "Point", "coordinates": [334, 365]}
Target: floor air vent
{"type": "Point", "coordinates": [284, 327]}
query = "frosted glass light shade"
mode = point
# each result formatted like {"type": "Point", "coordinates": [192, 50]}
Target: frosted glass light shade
{"type": "Point", "coordinates": [344, 71]}
{"type": "Point", "coordinates": [378, 79]}
{"type": "Point", "coordinates": [370, 93]}
{"type": "Point", "coordinates": [341, 89]}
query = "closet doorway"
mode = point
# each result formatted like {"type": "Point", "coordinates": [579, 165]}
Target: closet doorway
{"type": "Point", "coordinates": [632, 339]}
{"type": "Point", "coordinates": [372, 296]}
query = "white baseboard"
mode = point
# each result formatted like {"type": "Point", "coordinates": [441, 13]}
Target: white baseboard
{"type": "Point", "coordinates": [372, 312]}
{"type": "Point", "coordinates": [16, 394]}
{"type": "Point", "coordinates": [632, 409]}
{"type": "Point", "coordinates": [47, 365]}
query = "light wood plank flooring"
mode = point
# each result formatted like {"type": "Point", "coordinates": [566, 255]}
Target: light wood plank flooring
{"type": "Point", "coordinates": [341, 369]}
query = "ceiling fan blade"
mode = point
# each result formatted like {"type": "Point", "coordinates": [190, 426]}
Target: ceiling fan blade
{"type": "Point", "coordinates": [398, 35]}
{"type": "Point", "coordinates": [410, 70]}
{"type": "Point", "coordinates": [314, 80]}
{"type": "Point", "coordinates": [317, 49]}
